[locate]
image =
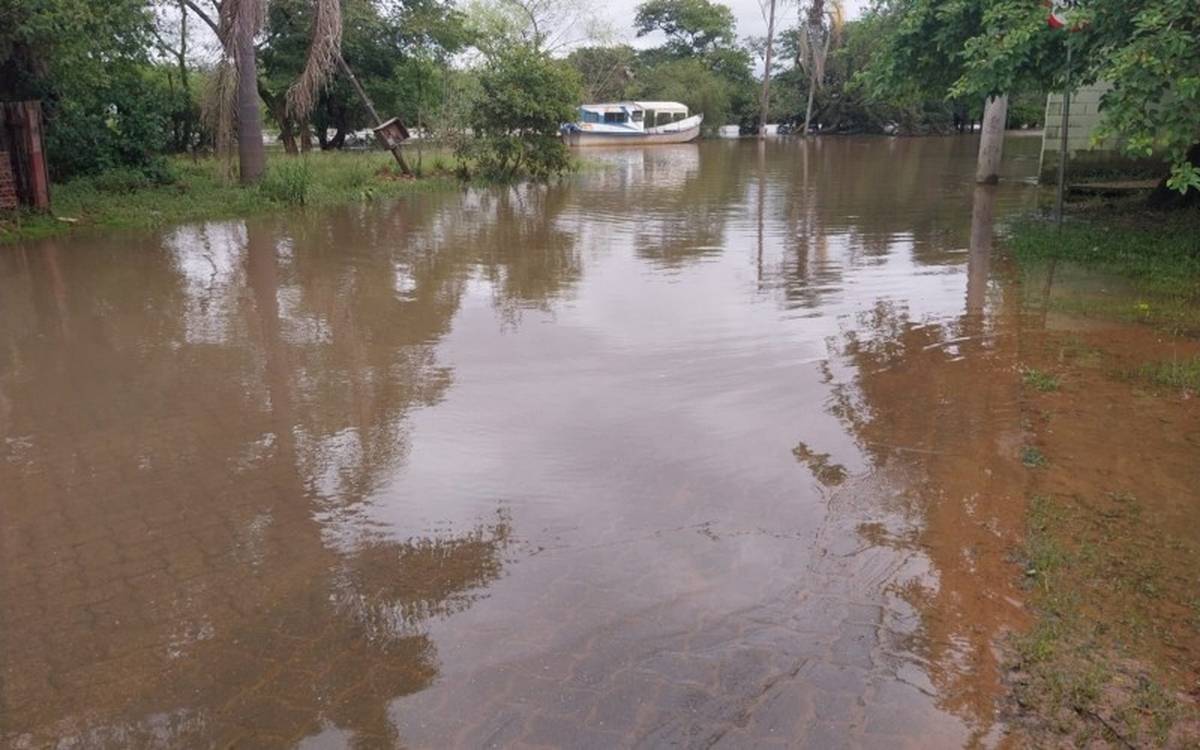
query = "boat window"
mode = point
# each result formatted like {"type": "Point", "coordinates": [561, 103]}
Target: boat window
{"type": "Point", "coordinates": [663, 118]}
{"type": "Point", "coordinates": [637, 115]}
{"type": "Point", "coordinates": [589, 116]}
{"type": "Point", "coordinates": [676, 117]}
{"type": "Point", "coordinates": [617, 118]}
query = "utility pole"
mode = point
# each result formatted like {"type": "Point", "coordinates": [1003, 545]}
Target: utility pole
{"type": "Point", "coordinates": [1064, 143]}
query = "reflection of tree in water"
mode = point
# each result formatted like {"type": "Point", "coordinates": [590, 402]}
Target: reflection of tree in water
{"type": "Point", "coordinates": [847, 202]}
{"type": "Point", "coordinates": [517, 239]}
{"type": "Point", "coordinates": [676, 211]}
{"type": "Point", "coordinates": [172, 495]}
{"type": "Point", "coordinates": [934, 407]}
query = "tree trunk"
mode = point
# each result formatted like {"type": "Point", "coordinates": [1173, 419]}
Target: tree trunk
{"type": "Point", "coordinates": [305, 137]}
{"type": "Point", "coordinates": [812, 90]}
{"type": "Point", "coordinates": [252, 158]}
{"type": "Point", "coordinates": [766, 87]}
{"type": "Point", "coordinates": [289, 138]}
{"type": "Point", "coordinates": [991, 140]}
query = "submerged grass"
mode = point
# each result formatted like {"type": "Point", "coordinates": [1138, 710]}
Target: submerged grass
{"type": "Point", "coordinates": [197, 190]}
{"type": "Point", "coordinates": [1042, 381]}
{"type": "Point", "coordinates": [1154, 256]}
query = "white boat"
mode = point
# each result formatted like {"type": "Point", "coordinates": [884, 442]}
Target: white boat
{"type": "Point", "coordinates": [632, 124]}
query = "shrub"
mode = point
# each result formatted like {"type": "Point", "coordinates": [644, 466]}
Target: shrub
{"type": "Point", "coordinates": [525, 98]}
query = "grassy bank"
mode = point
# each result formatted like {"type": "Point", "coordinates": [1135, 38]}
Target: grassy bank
{"type": "Point", "coordinates": [190, 190]}
{"type": "Point", "coordinates": [1109, 557]}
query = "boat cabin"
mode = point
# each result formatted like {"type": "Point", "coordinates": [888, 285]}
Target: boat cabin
{"type": "Point", "coordinates": [633, 115]}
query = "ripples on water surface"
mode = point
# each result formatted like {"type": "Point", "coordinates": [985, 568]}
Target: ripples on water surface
{"type": "Point", "coordinates": [701, 447]}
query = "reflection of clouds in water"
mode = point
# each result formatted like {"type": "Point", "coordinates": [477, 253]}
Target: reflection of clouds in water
{"type": "Point", "coordinates": [665, 167]}
{"type": "Point", "coordinates": [208, 259]}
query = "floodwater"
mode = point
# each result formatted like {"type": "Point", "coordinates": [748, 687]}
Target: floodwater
{"type": "Point", "coordinates": [717, 445]}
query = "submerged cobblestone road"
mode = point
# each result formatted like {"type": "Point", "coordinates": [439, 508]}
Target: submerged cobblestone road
{"type": "Point", "coordinates": [715, 447]}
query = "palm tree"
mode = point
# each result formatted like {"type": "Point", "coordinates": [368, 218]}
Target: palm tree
{"type": "Point", "coordinates": [823, 28]}
{"type": "Point", "coordinates": [233, 99]}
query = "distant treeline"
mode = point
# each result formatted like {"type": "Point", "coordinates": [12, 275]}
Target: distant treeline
{"type": "Point", "coordinates": [125, 82]}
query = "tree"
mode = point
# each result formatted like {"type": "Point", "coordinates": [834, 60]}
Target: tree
{"type": "Point", "coordinates": [692, 27]}
{"type": "Point", "coordinates": [544, 25]}
{"type": "Point", "coordinates": [691, 81]}
{"type": "Point", "coordinates": [525, 97]}
{"type": "Point", "coordinates": [241, 21]}
{"type": "Point", "coordinates": [607, 72]}
{"type": "Point", "coordinates": [234, 92]}
{"type": "Point", "coordinates": [699, 64]}
{"type": "Point", "coordinates": [769, 13]}
{"type": "Point", "coordinates": [822, 29]}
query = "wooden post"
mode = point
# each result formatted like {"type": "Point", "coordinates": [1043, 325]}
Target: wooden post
{"type": "Point", "coordinates": [362, 94]}
{"type": "Point", "coordinates": [22, 126]}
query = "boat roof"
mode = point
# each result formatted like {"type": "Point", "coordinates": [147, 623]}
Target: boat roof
{"type": "Point", "coordinates": [622, 106]}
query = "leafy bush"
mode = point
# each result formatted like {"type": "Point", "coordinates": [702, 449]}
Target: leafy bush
{"type": "Point", "coordinates": [288, 181]}
{"type": "Point", "coordinates": [525, 98]}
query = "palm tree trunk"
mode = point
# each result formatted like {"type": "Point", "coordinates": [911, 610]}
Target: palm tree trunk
{"type": "Point", "coordinates": [252, 158]}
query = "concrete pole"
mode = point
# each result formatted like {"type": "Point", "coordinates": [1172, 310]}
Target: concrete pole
{"type": "Point", "coordinates": [991, 140]}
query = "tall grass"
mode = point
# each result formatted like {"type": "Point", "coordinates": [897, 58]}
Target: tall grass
{"type": "Point", "coordinates": [288, 181]}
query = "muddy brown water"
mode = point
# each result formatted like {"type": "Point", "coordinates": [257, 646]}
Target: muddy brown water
{"type": "Point", "coordinates": [715, 445]}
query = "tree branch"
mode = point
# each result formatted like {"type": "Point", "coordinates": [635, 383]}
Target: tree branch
{"type": "Point", "coordinates": [207, 19]}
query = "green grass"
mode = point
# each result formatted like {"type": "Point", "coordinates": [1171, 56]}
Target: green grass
{"type": "Point", "coordinates": [1071, 676]}
{"type": "Point", "coordinates": [1182, 374]}
{"type": "Point", "coordinates": [1032, 457]}
{"type": "Point", "coordinates": [1042, 381]}
{"type": "Point", "coordinates": [197, 190]}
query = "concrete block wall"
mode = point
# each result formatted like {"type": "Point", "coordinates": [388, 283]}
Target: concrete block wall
{"type": "Point", "coordinates": [1088, 156]}
{"type": "Point", "coordinates": [1084, 121]}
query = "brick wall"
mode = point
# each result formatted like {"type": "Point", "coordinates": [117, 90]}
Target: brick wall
{"type": "Point", "coordinates": [8, 186]}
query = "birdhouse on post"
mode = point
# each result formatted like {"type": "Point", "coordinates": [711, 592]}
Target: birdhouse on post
{"type": "Point", "coordinates": [391, 133]}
